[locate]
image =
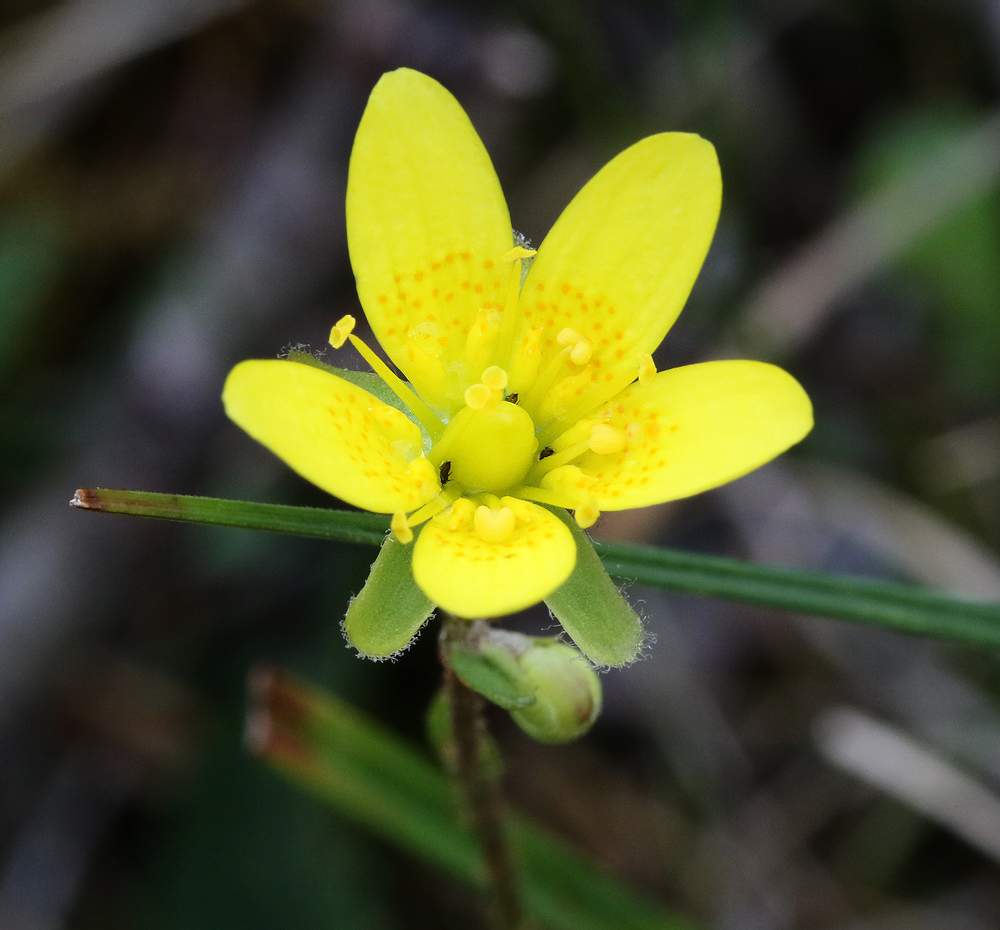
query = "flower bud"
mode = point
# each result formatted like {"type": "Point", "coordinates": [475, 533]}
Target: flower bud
{"type": "Point", "coordinates": [548, 686]}
{"type": "Point", "coordinates": [566, 689]}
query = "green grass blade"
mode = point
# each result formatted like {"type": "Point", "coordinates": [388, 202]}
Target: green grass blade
{"type": "Point", "coordinates": [316, 522]}
{"type": "Point", "coordinates": [904, 608]}
{"type": "Point", "coordinates": [350, 762]}
{"type": "Point", "coordinates": [900, 607]}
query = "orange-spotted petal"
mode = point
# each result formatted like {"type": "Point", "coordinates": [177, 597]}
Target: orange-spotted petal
{"type": "Point", "coordinates": [691, 429]}
{"type": "Point", "coordinates": [614, 272]}
{"type": "Point", "coordinates": [333, 433]}
{"type": "Point", "coordinates": [428, 227]}
{"type": "Point", "coordinates": [486, 568]}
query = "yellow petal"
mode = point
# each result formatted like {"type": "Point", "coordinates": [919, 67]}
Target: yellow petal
{"type": "Point", "coordinates": [618, 265]}
{"type": "Point", "coordinates": [472, 577]}
{"type": "Point", "coordinates": [427, 226]}
{"type": "Point", "coordinates": [334, 434]}
{"type": "Point", "coordinates": [694, 428]}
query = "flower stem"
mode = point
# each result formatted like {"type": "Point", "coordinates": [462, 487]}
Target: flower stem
{"type": "Point", "coordinates": [478, 783]}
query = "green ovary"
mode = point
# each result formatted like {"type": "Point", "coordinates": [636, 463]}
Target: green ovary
{"type": "Point", "coordinates": [490, 448]}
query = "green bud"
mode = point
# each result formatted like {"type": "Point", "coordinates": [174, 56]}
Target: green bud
{"type": "Point", "coordinates": [567, 692]}
{"type": "Point", "coordinates": [548, 686]}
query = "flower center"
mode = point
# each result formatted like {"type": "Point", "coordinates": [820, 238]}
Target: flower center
{"type": "Point", "coordinates": [490, 448]}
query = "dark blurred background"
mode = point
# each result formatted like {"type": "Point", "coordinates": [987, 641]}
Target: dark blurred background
{"type": "Point", "coordinates": [172, 176]}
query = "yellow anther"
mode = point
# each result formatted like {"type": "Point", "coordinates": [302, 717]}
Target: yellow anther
{"type": "Point", "coordinates": [606, 440]}
{"type": "Point", "coordinates": [570, 480]}
{"type": "Point", "coordinates": [647, 370]}
{"type": "Point", "coordinates": [495, 377]}
{"type": "Point", "coordinates": [400, 527]}
{"type": "Point", "coordinates": [519, 251]}
{"type": "Point", "coordinates": [422, 473]}
{"type": "Point", "coordinates": [581, 352]}
{"type": "Point", "coordinates": [341, 330]}
{"type": "Point", "coordinates": [568, 337]}
{"type": "Point", "coordinates": [478, 396]}
{"type": "Point", "coordinates": [493, 526]}
{"type": "Point", "coordinates": [586, 515]}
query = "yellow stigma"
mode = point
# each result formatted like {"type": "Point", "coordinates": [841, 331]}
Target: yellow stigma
{"type": "Point", "coordinates": [490, 447]}
{"type": "Point", "coordinates": [493, 526]}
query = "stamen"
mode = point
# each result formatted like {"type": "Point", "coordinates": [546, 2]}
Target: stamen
{"type": "Point", "coordinates": [421, 471]}
{"type": "Point", "coordinates": [546, 378]}
{"type": "Point", "coordinates": [586, 515]}
{"type": "Point", "coordinates": [509, 317]}
{"type": "Point", "coordinates": [558, 459]}
{"type": "Point", "coordinates": [401, 528]}
{"type": "Point", "coordinates": [480, 343]}
{"type": "Point", "coordinates": [461, 510]}
{"type": "Point", "coordinates": [403, 391]}
{"type": "Point", "coordinates": [517, 253]}
{"type": "Point", "coordinates": [647, 370]}
{"type": "Point", "coordinates": [581, 352]}
{"type": "Point", "coordinates": [606, 440]}
{"type": "Point", "coordinates": [568, 337]}
{"type": "Point", "coordinates": [545, 496]}
{"type": "Point", "coordinates": [478, 396]}
{"type": "Point", "coordinates": [495, 377]}
{"type": "Point", "coordinates": [431, 508]}
{"type": "Point", "coordinates": [494, 526]}
{"type": "Point", "coordinates": [341, 330]}
{"type": "Point", "coordinates": [526, 361]}
{"type": "Point", "coordinates": [567, 487]}
{"type": "Point", "coordinates": [572, 480]}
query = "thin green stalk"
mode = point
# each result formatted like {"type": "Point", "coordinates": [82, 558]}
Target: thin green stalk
{"type": "Point", "coordinates": [899, 607]}
{"type": "Point", "coordinates": [479, 787]}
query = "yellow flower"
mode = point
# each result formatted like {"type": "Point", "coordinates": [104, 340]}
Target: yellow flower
{"type": "Point", "coordinates": [521, 396]}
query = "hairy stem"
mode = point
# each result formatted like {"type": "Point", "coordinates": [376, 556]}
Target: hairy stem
{"type": "Point", "coordinates": [478, 783]}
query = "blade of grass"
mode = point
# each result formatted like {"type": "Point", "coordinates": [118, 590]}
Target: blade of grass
{"type": "Point", "coordinates": [899, 607]}
{"type": "Point", "coordinates": [352, 763]}
{"type": "Point", "coordinates": [340, 525]}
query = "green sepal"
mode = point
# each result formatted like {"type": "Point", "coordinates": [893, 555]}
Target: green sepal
{"type": "Point", "coordinates": [592, 610]}
{"type": "Point", "coordinates": [367, 380]}
{"type": "Point", "coordinates": [491, 669]}
{"type": "Point", "coordinates": [385, 616]}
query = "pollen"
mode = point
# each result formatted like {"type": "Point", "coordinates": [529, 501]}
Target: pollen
{"type": "Point", "coordinates": [494, 526]}
{"type": "Point", "coordinates": [341, 330]}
